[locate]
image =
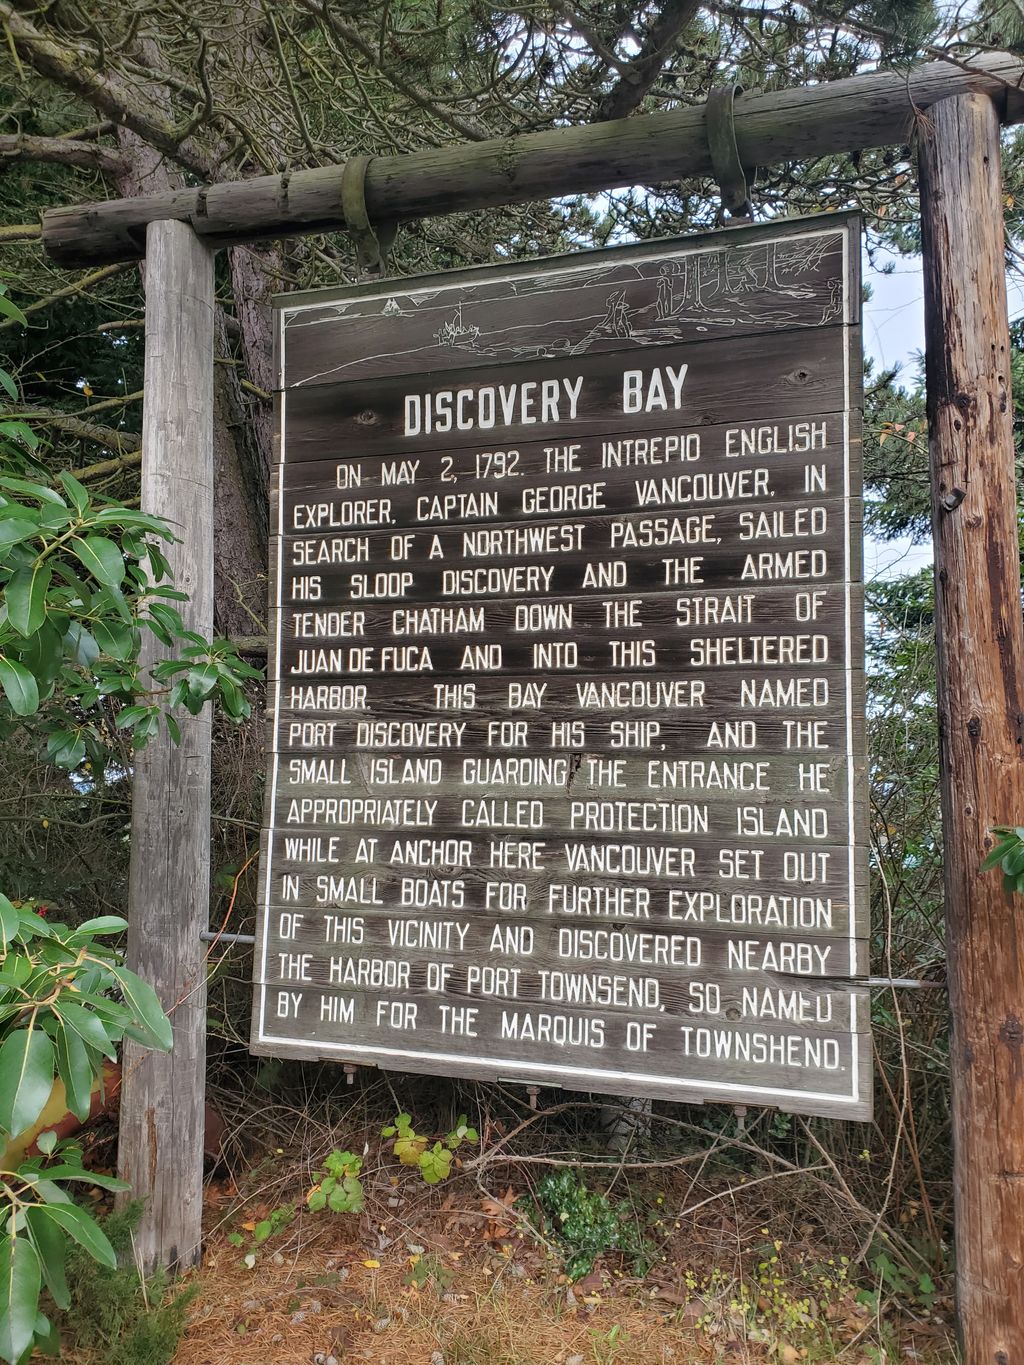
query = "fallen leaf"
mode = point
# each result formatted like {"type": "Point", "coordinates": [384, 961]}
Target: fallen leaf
{"type": "Point", "coordinates": [372, 1265]}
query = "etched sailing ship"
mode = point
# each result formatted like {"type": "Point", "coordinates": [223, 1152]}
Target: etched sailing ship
{"type": "Point", "coordinates": [455, 333]}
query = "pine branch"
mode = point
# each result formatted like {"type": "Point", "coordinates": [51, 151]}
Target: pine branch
{"type": "Point", "coordinates": [124, 442]}
{"type": "Point", "coordinates": [349, 35]}
{"type": "Point", "coordinates": [78, 287]}
{"type": "Point", "coordinates": [643, 71]}
{"type": "Point", "coordinates": [63, 150]}
{"type": "Point", "coordinates": [72, 67]}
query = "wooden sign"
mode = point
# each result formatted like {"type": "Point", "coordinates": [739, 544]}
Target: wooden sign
{"type": "Point", "coordinates": [566, 777]}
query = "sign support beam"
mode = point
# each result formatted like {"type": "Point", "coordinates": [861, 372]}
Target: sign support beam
{"type": "Point", "coordinates": [162, 1094]}
{"type": "Point", "coordinates": [877, 109]}
{"type": "Point", "coordinates": [980, 641]}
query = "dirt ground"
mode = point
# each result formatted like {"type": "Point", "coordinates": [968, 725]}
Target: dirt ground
{"type": "Point", "coordinates": [457, 1276]}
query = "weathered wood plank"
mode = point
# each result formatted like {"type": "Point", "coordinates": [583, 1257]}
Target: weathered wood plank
{"type": "Point", "coordinates": [688, 469]}
{"type": "Point", "coordinates": [587, 1052]}
{"type": "Point", "coordinates": [677, 552]}
{"type": "Point", "coordinates": [680, 705]}
{"type": "Point", "coordinates": [737, 381]}
{"type": "Point", "coordinates": [649, 296]}
{"type": "Point", "coordinates": [162, 1095]}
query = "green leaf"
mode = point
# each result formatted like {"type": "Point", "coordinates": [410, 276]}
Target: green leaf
{"type": "Point", "coordinates": [116, 639]}
{"type": "Point", "coordinates": [101, 557]}
{"type": "Point", "coordinates": [11, 310]}
{"type": "Point", "coordinates": [65, 748]}
{"type": "Point", "coordinates": [47, 1337]}
{"type": "Point", "coordinates": [26, 1078]}
{"type": "Point", "coordinates": [20, 687]}
{"type": "Point", "coordinates": [10, 920]}
{"type": "Point", "coordinates": [39, 491]}
{"type": "Point", "coordinates": [86, 1025]}
{"type": "Point", "coordinates": [83, 1229]}
{"type": "Point", "coordinates": [102, 924]}
{"type": "Point", "coordinates": [75, 491]}
{"type": "Point", "coordinates": [20, 1283]}
{"type": "Point", "coordinates": [202, 680]}
{"type": "Point", "coordinates": [75, 1070]}
{"type": "Point", "coordinates": [996, 855]}
{"type": "Point", "coordinates": [43, 652]}
{"type": "Point", "coordinates": [26, 597]}
{"type": "Point", "coordinates": [103, 1182]}
{"type": "Point", "coordinates": [147, 1009]}
{"type": "Point", "coordinates": [9, 385]}
{"type": "Point", "coordinates": [81, 646]}
{"type": "Point", "coordinates": [14, 529]}
{"type": "Point", "coordinates": [49, 1245]}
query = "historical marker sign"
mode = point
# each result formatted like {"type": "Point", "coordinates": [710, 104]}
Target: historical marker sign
{"type": "Point", "coordinates": [566, 712]}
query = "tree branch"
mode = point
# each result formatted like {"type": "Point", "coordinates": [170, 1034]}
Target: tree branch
{"type": "Point", "coordinates": [64, 150]}
{"type": "Point", "coordinates": [96, 471]}
{"type": "Point", "coordinates": [351, 36]}
{"type": "Point", "coordinates": [124, 442]}
{"type": "Point", "coordinates": [645, 68]}
{"type": "Point", "coordinates": [71, 66]}
{"type": "Point", "coordinates": [21, 232]}
{"type": "Point", "coordinates": [78, 287]}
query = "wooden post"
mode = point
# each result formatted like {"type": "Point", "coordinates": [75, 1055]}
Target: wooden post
{"type": "Point", "coordinates": [162, 1095]}
{"type": "Point", "coordinates": [981, 701]}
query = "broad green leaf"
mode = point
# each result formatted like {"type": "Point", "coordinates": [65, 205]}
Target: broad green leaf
{"type": "Point", "coordinates": [75, 491]}
{"type": "Point", "coordinates": [39, 491]}
{"type": "Point", "coordinates": [14, 529]}
{"type": "Point", "coordinates": [81, 646]}
{"type": "Point", "coordinates": [20, 687]}
{"type": "Point", "coordinates": [86, 1025]}
{"type": "Point", "coordinates": [202, 680]}
{"type": "Point", "coordinates": [101, 557]}
{"type": "Point", "coordinates": [65, 748]}
{"type": "Point", "coordinates": [102, 924]}
{"type": "Point", "coordinates": [26, 597]}
{"type": "Point", "coordinates": [20, 1283]}
{"type": "Point", "coordinates": [85, 1230]}
{"type": "Point", "coordinates": [9, 385]}
{"type": "Point", "coordinates": [11, 310]}
{"type": "Point", "coordinates": [43, 653]}
{"type": "Point", "coordinates": [15, 970]}
{"type": "Point", "coordinates": [103, 1182]}
{"type": "Point", "coordinates": [26, 1078]}
{"type": "Point", "coordinates": [48, 1240]}
{"type": "Point", "coordinates": [149, 1014]}
{"type": "Point", "coordinates": [10, 920]}
{"type": "Point", "coordinates": [116, 639]}
{"type": "Point", "coordinates": [75, 1071]}
{"type": "Point", "coordinates": [47, 1337]}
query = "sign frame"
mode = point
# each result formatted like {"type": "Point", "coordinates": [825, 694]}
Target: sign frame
{"type": "Point", "coordinates": [804, 1100]}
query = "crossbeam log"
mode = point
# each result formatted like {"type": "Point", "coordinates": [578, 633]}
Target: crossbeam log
{"type": "Point", "coordinates": [873, 110]}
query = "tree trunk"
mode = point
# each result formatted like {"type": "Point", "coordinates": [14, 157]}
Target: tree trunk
{"type": "Point", "coordinates": [980, 642]}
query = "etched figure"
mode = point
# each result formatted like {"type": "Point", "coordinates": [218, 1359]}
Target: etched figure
{"type": "Point", "coordinates": [616, 319]}
{"type": "Point", "coordinates": [666, 302]}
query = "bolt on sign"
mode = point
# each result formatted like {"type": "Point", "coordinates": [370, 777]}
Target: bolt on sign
{"type": "Point", "coordinates": [566, 705]}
